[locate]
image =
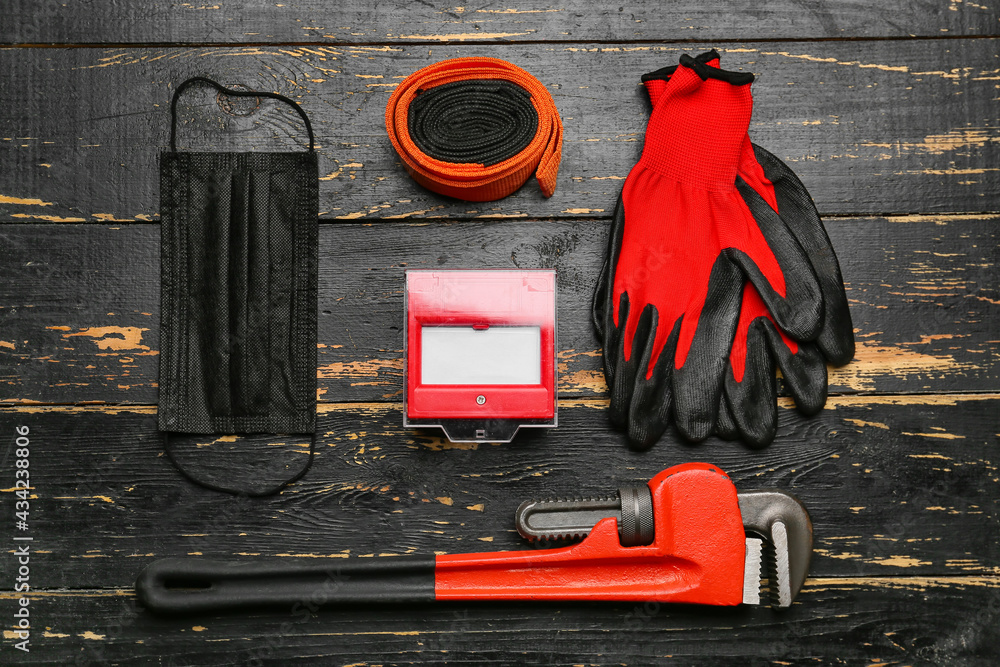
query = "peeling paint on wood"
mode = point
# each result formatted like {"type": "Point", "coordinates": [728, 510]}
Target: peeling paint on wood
{"type": "Point", "coordinates": [899, 471]}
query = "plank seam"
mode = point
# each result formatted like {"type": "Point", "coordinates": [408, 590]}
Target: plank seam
{"type": "Point", "coordinates": [99, 406]}
{"type": "Point", "coordinates": [438, 43]}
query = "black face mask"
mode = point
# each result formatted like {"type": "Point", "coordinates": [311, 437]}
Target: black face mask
{"type": "Point", "coordinates": [238, 308]}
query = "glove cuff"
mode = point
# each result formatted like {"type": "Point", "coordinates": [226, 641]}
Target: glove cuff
{"type": "Point", "coordinates": [656, 82]}
{"type": "Point", "coordinates": [696, 131]}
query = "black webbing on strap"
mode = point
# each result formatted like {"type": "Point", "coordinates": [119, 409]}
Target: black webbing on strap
{"type": "Point", "coordinates": [479, 121]}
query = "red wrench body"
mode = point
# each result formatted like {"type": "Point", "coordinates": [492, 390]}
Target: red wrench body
{"type": "Point", "coordinates": [697, 555]}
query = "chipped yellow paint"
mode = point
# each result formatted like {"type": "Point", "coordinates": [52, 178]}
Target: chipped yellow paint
{"type": "Point", "coordinates": [476, 508]}
{"type": "Point", "coordinates": [485, 539]}
{"type": "Point", "coordinates": [110, 217]}
{"type": "Point", "coordinates": [56, 409]}
{"type": "Point", "coordinates": [54, 635]}
{"type": "Point", "coordinates": [592, 403]}
{"type": "Point", "coordinates": [838, 555]}
{"type": "Point", "coordinates": [381, 49]}
{"type": "Point", "coordinates": [951, 171]}
{"type": "Point", "coordinates": [971, 564]}
{"type": "Point", "coordinates": [872, 361]}
{"type": "Point", "coordinates": [619, 49]}
{"type": "Point", "coordinates": [582, 380]}
{"type": "Point", "coordinates": [888, 561]}
{"type": "Point", "coordinates": [224, 438]}
{"type": "Point", "coordinates": [929, 456]}
{"type": "Point", "coordinates": [7, 344]}
{"type": "Point", "coordinates": [352, 216]}
{"type": "Point", "coordinates": [578, 211]}
{"type": "Point", "coordinates": [198, 628]}
{"type": "Point", "coordinates": [371, 409]}
{"type": "Point", "coordinates": [953, 74]}
{"type": "Point", "coordinates": [938, 144]}
{"type": "Point", "coordinates": [514, 11]}
{"type": "Point", "coordinates": [360, 369]}
{"type": "Point", "coordinates": [47, 218]}
{"type": "Point", "coordinates": [834, 61]}
{"type": "Point", "coordinates": [121, 338]}
{"type": "Point", "coordinates": [401, 216]}
{"type": "Point", "coordinates": [441, 444]}
{"type": "Point", "coordinates": [899, 561]}
{"type": "Point", "coordinates": [91, 635]}
{"type": "Point", "coordinates": [901, 582]}
{"type": "Point", "coordinates": [445, 500]}
{"type": "Point", "coordinates": [461, 37]}
{"type": "Point", "coordinates": [23, 201]}
{"type": "Point", "coordinates": [943, 436]}
{"type": "Point", "coordinates": [861, 422]}
{"type": "Point", "coordinates": [515, 214]}
{"type": "Point", "coordinates": [340, 170]}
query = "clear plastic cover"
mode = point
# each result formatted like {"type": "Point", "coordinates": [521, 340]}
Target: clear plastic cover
{"type": "Point", "coordinates": [480, 352]}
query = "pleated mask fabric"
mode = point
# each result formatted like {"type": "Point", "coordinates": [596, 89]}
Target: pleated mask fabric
{"type": "Point", "coordinates": [239, 258]}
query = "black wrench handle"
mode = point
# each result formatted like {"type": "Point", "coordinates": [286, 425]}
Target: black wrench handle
{"type": "Point", "coordinates": [191, 585]}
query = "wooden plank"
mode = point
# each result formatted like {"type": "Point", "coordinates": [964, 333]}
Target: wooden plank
{"type": "Point", "coordinates": [884, 621]}
{"type": "Point", "coordinates": [79, 304]}
{"type": "Point", "coordinates": [884, 109]}
{"type": "Point", "coordinates": [896, 486]}
{"type": "Point", "coordinates": [314, 21]}
{"type": "Point", "coordinates": [872, 128]}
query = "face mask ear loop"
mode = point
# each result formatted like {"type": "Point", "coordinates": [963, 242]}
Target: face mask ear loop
{"type": "Point", "coordinates": [233, 93]}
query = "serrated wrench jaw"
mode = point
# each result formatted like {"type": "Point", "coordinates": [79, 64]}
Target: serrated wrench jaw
{"type": "Point", "coordinates": [782, 520]}
{"type": "Point", "coordinates": [751, 571]}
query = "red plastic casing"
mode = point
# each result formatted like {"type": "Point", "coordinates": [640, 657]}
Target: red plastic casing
{"type": "Point", "coordinates": [697, 555]}
{"type": "Point", "coordinates": [480, 298]}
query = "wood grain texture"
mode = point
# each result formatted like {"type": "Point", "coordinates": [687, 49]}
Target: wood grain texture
{"type": "Point", "coordinates": [896, 486]}
{"type": "Point", "coordinates": [79, 304]}
{"type": "Point", "coordinates": [856, 621]}
{"type": "Point", "coordinates": [884, 127]}
{"type": "Point", "coordinates": [353, 21]}
{"type": "Point", "coordinates": [887, 111]}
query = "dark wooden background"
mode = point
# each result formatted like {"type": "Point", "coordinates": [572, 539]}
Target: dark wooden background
{"type": "Point", "coordinates": [888, 111]}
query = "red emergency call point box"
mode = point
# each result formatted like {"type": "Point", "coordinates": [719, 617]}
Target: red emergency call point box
{"type": "Point", "coordinates": [480, 351]}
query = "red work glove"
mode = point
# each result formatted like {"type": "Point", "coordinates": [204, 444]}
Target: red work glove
{"type": "Point", "coordinates": [685, 235]}
{"type": "Point", "coordinates": [748, 408]}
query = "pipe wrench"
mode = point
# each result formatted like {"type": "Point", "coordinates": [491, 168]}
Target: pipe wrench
{"type": "Point", "coordinates": [686, 537]}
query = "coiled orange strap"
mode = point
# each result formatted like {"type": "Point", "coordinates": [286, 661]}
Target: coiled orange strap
{"type": "Point", "coordinates": [475, 181]}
